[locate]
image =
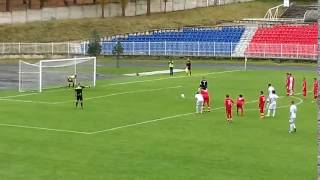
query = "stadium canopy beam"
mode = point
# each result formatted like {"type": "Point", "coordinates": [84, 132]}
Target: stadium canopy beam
{"type": "Point", "coordinates": [273, 12]}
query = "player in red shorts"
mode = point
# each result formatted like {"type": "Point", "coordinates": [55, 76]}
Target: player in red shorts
{"type": "Point", "coordinates": [240, 103]}
{"type": "Point", "coordinates": [315, 88]}
{"type": "Point", "coordinates": [262, 101]}
{"type": "Point", "coordinates": [304, 87]}
{"type": "Point", "coordinates": [228, 102]}
{"type": "Point", "coordinates": [206, 98]}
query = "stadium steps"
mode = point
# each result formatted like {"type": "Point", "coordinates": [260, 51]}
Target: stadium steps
{"type": "Point", "coordinates": [244, 41]}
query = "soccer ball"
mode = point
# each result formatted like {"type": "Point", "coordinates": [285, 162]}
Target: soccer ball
{"type": "Point", "coordinates": [182, 95]}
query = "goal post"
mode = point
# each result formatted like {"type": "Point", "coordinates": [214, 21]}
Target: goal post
{"type": "Point", "coordinates": [47, 74]}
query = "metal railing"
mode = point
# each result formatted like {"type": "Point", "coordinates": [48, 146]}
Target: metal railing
{"type": "Point", "coordinates": [40, 48]}
{"type": "Point", "coordinates": [282, 51]}
{"type": "Point", "coordinates": [219, 49]}
{"type": "Point", "coordinates": [213, 49]}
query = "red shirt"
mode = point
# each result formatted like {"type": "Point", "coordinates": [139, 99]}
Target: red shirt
{"type": "Point", "coordinates": [205, 93]}
{"type": "Point", "coordinates": [240, 101]}
{"type": "Point", "coordinates": [262, 100]}
{"type": "Point", "coordinates": [315, 85]}
{"type": "Point", "coordinates": [228, 102]}
{"type": "Point", "coordinates": [304, 85]}
{"type": "Point", "coordinates": [287, 82]}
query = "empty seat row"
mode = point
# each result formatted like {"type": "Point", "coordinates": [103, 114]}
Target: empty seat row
{"type": "Point", "coordinates": [284, 40]}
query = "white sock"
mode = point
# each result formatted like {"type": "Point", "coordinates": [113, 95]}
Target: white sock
{"type": "Point", "coordinates": [268, 112]}
{"type": "Point", "coordinates": [273, 113]}
{"type": "Point", "coordinates": [291, 127]}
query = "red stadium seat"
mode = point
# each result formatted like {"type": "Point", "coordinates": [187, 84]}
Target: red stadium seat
{"type": "Point", "coordinates": [284, 41]}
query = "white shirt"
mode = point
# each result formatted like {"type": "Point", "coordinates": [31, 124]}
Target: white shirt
{"type": "Point", "coordinates": [293, 111]}
{"type": "Point", "coordinates": [273, 98]}
{"type": "Point", "coordinates": [270, 89]}
{"type": "Point", "coordinates": [199, 97]}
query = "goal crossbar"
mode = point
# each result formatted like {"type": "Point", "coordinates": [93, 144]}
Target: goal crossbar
{"type": "Point", "coordinates": [47, 74]}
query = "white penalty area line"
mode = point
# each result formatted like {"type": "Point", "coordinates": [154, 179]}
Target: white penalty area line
{"type": "Point", "coordinates": [124, 126]}
{"type": "Point", "coordinates": [91, 98]}
{"type": "Point", "coordinates": [180, 115]}
{"type": "Point", "coordinates": [19, 95]}
{"type": "Point", "coordinates": [105, 130]}
{"type": "Point", "coordinates": [165, 78]}
{"type": "Point", "coordinates": [41, 128]}
{"type": "Point", "coordinates": [27, 101]}
{"type": "Point", "coordinates": [123, 93]}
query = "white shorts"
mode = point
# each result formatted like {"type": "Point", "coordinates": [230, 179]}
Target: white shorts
{"type": "Point", "coordinates": [199, 103]}
{"type": "Point", "coordinates": [291, 120]}
{"type": "Point", "coordinates": [290, 86]}
{"type": "Point", "coordinates": [273, 106]}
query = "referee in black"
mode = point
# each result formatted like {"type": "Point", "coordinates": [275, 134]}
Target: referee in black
{"type": "Point", "coordinates": [78, 95]}
{"type": "Point", "coordinates": [188, 66]}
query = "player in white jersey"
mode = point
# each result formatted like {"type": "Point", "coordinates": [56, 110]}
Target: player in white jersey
{"type": "Point", "coordinates": [199, 102]}
{"type": "Point", "coordinates": [291, 84]}
{"type": "Point", "coordinates": [293, 115]}
{"type": "Point", "coordinates": [273, 103]}
{"type": "Point", "coordinates": [270, 89]}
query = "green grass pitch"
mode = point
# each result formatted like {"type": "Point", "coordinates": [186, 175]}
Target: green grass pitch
{"type": "Point", "coordinates": [141, 128]}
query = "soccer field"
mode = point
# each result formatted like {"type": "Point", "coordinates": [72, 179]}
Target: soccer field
{"type": "Point", "coordinates": [141, 128]}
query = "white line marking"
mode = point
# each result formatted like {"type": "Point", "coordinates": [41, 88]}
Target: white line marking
{"type": "Point", "coordinates": [41, 128]}
{"type": "Point", "coordinates": [165, 78]}
{"type": "Point", "coordinates": [27, 101]}
{"type": "Point", "coordinates": [154, 120]}
{"type": "Point", "coordinates": [19, 95]}
{"type": "Point", "coordinates": [119, 127]}
{"type": "Point", "coordinates": [128, 82]}
{"type": "Point", "coordinates": [280, 107]}
{"type": "Point", "coordinates": [122, 93]}
{"type": "Point", "coordinates": [90, 98]}
{"type": "Point", "coordinates": [144, 122]}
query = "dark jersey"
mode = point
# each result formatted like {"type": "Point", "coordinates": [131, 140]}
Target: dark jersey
{"type": "Point", "coordinates": [188, 64]}
{"type": "Point", "coordinates": [78, 90]}
{"type": "Point", "coordinates": [204, 84]}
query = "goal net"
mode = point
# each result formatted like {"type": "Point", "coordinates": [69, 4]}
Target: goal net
{"type": "Point", "coordinates": [47, 74]}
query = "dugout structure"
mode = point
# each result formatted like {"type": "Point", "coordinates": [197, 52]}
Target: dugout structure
{"type": "Point", "coordinates": [47, 74]}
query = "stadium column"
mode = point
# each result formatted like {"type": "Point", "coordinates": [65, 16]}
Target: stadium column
{"type": "Point", "coordinates": [40, 76]}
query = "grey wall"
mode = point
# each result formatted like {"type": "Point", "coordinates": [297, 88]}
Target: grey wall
{"type": "Point", "coordinates": [113, 9]}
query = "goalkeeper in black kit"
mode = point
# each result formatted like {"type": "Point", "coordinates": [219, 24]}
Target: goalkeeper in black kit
{"type": "Point", "coordinates": [79, 94]}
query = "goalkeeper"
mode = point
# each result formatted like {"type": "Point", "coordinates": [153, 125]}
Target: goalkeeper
{"type": "Point", "coordinates": [72, 80]}
{"type": "Point", "coordinates": [78, 94]}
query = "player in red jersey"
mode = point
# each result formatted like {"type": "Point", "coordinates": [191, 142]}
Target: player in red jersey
{"type": "Point", "coordinates": [228, 102]}
{"type": "Point", "coordinates": [262, 101]}
{"type": "Point", "coordinates": [304, 87]}
{"type": "Point", "coordinates": [315, 88]}
{"type": "Point", "coordinates": [240, 103]}
{"type": "Point", "coordinates": [287, 84]}
{"type": "Point", "coordinates": [206, 98]}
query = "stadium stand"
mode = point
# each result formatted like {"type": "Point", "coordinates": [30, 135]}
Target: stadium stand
{"type": "Point", "coordinates": [219, 41]}
{"type": "Point", "coordinates": [284, 41]}
{"type": "Point", "coordinates": [224, 34]}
